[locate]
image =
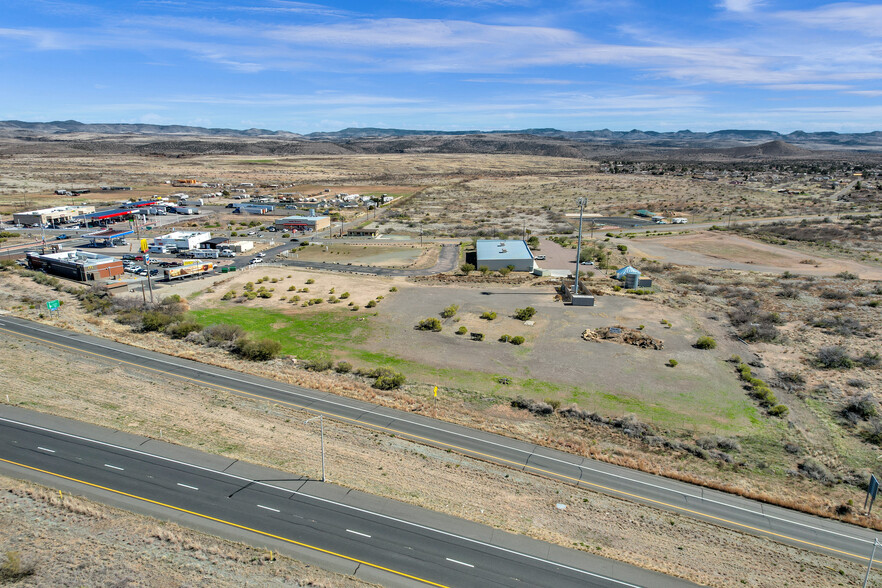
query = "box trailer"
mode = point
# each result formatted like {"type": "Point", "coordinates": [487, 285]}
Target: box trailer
{"type": "Point", "coordinates": [186, 271]}
{"type": "Point", "coordinates": [185, 210]}
{"type": "Point", "coordinates": [204, 253]}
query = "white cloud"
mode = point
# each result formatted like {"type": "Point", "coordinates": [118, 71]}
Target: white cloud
{"type": "Point", "coordinates": [740, 6]}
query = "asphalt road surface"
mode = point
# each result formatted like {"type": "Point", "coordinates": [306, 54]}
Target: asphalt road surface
{"type": "Point", "coordinates": [409, 552]}
{"type": "Point", "coordinates": [749, 516]}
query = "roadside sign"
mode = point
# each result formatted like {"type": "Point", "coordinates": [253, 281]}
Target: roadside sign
{"type": "Point", "coordinates": [54, 304]}
{"type": "Point", "coordinates": [872, 489]}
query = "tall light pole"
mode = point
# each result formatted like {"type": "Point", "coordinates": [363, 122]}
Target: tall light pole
{"type": "Point", "coordinates": [582, 202]}
{"type": "Point", "coordinates": [870, 566]}
{"type": "Point", "coordinates": [322, 424]}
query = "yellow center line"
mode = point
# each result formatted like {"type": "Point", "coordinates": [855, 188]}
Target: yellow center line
{"type": "Point", "coordinates": [430, 441]}
{"type": "Point", "coordinates": [222, 521]}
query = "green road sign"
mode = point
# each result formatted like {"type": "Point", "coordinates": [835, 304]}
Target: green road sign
{"type": "Point", "coordinates": [53, 305]}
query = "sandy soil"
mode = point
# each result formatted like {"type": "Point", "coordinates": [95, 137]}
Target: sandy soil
{"type": "Point", "coordinates": [72, 541]}
{"type": "Point", "coordinates": [105, 393]}
{"type": "Point", "coordinates": [723, 250]}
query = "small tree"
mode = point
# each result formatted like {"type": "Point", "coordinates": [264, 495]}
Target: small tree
{"type": "Point", "coordinates": [525, 314]}
{"type": "Point", "coordinates": [467, 268]}
{"type": "Point", "coordinates": [450, 311]}
{"type": "Point", "coordinates": [429, 324]}
{"type": "Point", "coordinates": [705, 343]}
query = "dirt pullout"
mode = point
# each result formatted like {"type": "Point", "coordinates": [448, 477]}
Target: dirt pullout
{"type": "Point", "coordinates": [70, 541]}
{"type": "Point", "coordinates": [723, 250]}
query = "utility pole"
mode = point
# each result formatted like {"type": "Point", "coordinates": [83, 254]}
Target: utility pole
{"type": "Point", "coordinates": [582, 202]}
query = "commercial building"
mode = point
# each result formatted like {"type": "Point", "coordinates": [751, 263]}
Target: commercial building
{"type": "Point", "coordinates": [304, 224]}
{"type": "Point", "coordinates": [182, 241]}
{"type": "Point", "coordinates": [83, 266]}
{"type": "Point", "coordinates": [56, 215]}
{"type": "Point", "coordinates": [495, 255]}
{"type": "Point", "coordinates": [241, 246]}
{"type": "Point", "coordinates": [215, 243]}
{"type": "Point", "coordinates": [363, 233]}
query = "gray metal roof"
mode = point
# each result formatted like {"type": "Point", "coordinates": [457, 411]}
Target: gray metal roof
{"type": "Point", "coordinates": [503, 250]}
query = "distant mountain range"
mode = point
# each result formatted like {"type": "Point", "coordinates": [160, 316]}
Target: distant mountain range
{"type": "Point", "coordinates": [634, 138]}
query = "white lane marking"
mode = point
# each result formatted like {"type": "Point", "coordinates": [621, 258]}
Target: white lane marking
{"type": "Point", "coordinates": [188, 486]}
{"type": "Point", "coordinates": [107, 465]}
{"type": "Point", "coordinates": [332, 502]}
{"type": "Point", "coordinates": [607, 473]}
{"type": "Point", "coordinates": [44, 449]}
{"type": "Point", "coordinates": [268, 508]}
{"type": "Point", "coordinates": [357, 533]}
{"type": "Point", "coordinates": [462, 563]}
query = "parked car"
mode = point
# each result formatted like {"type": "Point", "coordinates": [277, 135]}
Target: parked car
{"type": "Point", "coordinates": [256, 260]}
{"type": "Point", "coordinates": [587, 263]}
{"type": "Point", "coordinates": [261, 254]}
{"type": "Point", "coordinates": [62, 237]}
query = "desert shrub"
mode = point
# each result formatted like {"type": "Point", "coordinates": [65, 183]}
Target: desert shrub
{"type": "Point", "coordinates": [863, 407]}
{"type": "Point", "coordinates": [461, 331]}
{"type": "Point", "coordinates": [318, 365]}
{"type": "Point", "coordinates": [789, 291]}
{"type": "Point", "coordinates": [450, 311]}
{"type": "Point", "coordinates": [778, 410]}
{"type": "Point", "coordinates": [833, 357]}
{"type": "Point", "coordinates": [344, 295]}
{"type": "Point", "coordinates": [814, 470]}
{"type": "Point", "coordinates": [158, 320]}
{"type": "Point", "coordinates": [343, 367]}
{"type": "Point", "coordinates": [504, 271]}
{"type": "Point", "coordinates": [554, 403]}
{"type": "Point", "coordinates": [310, 281]}
{"type": "Point", "coordinates": [13, 569]}
{"type": "Point", "coordinates": [222, 333]}
{"type": "Point", "coordinates": [248, 287]}
{"type": "Point", "coordinates": [229, 295]}
{"type": "Point", "coordinates": [868, 359]}
{"type": "Point", "coordinates": [372, 304]}
{"type": "Point", "coordinates": [292, 288]}
{"type": "Point", "coordinates": [759, 333]}
{"type": "Point", "coordinates": [874, 433]}
{"type": "Point", "coordinates": [846, 276]}
{"type": "Point", "coordinates": [836, 294]}
{"type": "Point", "coordinates": [673, 362]}
{"type": "Point", "coordinates": [517, 340]}
{"type": "Point", "coordinates": [488, 315]}
{"type": "Point", "coordinates": [477, 336]}
{"type": "Point", "coordinates": [525, 314]}
{"type": "Point", "coordinates": [622, 248]}
{"type": "Point", "coordinates": [262, 350]}
{"type": "Point", "coordinates": [181, 329]}
{"type": "Point", "coordinates": [505, 339]}
{"type": "Point", "coordinates": [484, 270]}
{"type": "Point", "coordinates": [467, 268]}
{"type": "Point", "coordinates": [429, 324]}
{"type": "Point", "coordinates": [386, 379]}
{"type": "Point", "coordinates": [393, 289]}
{"type": "Point", "coordinates": [705, 343]}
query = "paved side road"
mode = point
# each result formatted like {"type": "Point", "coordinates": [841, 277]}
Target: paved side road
{"type": "Point", "coordinates": [347, 531]}
{"type": "Point", "coordinates": [749, 516]}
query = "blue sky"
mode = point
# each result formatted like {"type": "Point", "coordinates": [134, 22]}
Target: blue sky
{"type": "Point", "coordinates": [446, 64]}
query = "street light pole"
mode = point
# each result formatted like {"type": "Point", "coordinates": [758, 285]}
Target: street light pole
{"type": "Point", "coordinates": [582, 202]}
{"type": "Point", "coordinates": [322, 424]}
{"type": "Point", "coordinates": [870, 565]}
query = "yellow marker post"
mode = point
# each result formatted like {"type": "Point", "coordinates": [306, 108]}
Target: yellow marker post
{"type": "Point", "coordinates": [435, 402]}
{"type": "Point", "coordinates": [144, 246]}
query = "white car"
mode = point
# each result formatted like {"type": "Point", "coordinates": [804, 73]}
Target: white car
{"type": "Point", "coordinates": [256, 260]}
{"type": "Point", "coordinates": [261, 254]}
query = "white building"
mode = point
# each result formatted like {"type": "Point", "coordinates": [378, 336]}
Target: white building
{"type": "Point", "coordinates": [183, 241]}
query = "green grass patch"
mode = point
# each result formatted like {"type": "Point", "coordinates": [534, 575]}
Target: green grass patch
{"type": "Point", "coordinates": [306, 336]}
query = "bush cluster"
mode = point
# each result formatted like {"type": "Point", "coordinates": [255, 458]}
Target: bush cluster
{"type": "Point", "coordinates": [450, 311]}
{"type": "Point", "coordinates": [525, 314]}
{"type": "Point", "coordinates": [488, 315]}
{"type": "Point", "coordinates": [761, 391]}
{"type": "Point", "coordinates": [429, 324]}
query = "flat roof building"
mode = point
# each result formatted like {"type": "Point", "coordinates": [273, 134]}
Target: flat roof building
{"type": "Point", "coordinates": [58, 214]}
{"type": "Point", "coordinates": [83, 266]}
{"type": "Point", "coordinates": [303, 223]}
{"type": "Point", "coordinates": [182, 241]}
{"type": "Point", "coordinates": [495, 255]}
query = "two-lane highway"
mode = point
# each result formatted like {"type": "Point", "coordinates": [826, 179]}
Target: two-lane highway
{"type": "Point", "coordinates": [406, 550]}
{"type": "Point", "coordinates": [750, 516]}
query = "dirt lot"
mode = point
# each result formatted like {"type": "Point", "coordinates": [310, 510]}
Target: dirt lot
{"type": "Point", "coordinates": [400, 256]}
{"type": "Point", "coordinates": [725, 250]}
{"type": "Point", "coordinates": [108, 394]}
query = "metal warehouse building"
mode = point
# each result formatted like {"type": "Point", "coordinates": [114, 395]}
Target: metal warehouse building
{"type": "Point", "coordinates": [303, 223]}
{"type": "Point", "coordinates": [182, 241]}
{"type": "Point", "coordinates": [84, 266]}
{"type": "Point", "coordinates": [495, 255]}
